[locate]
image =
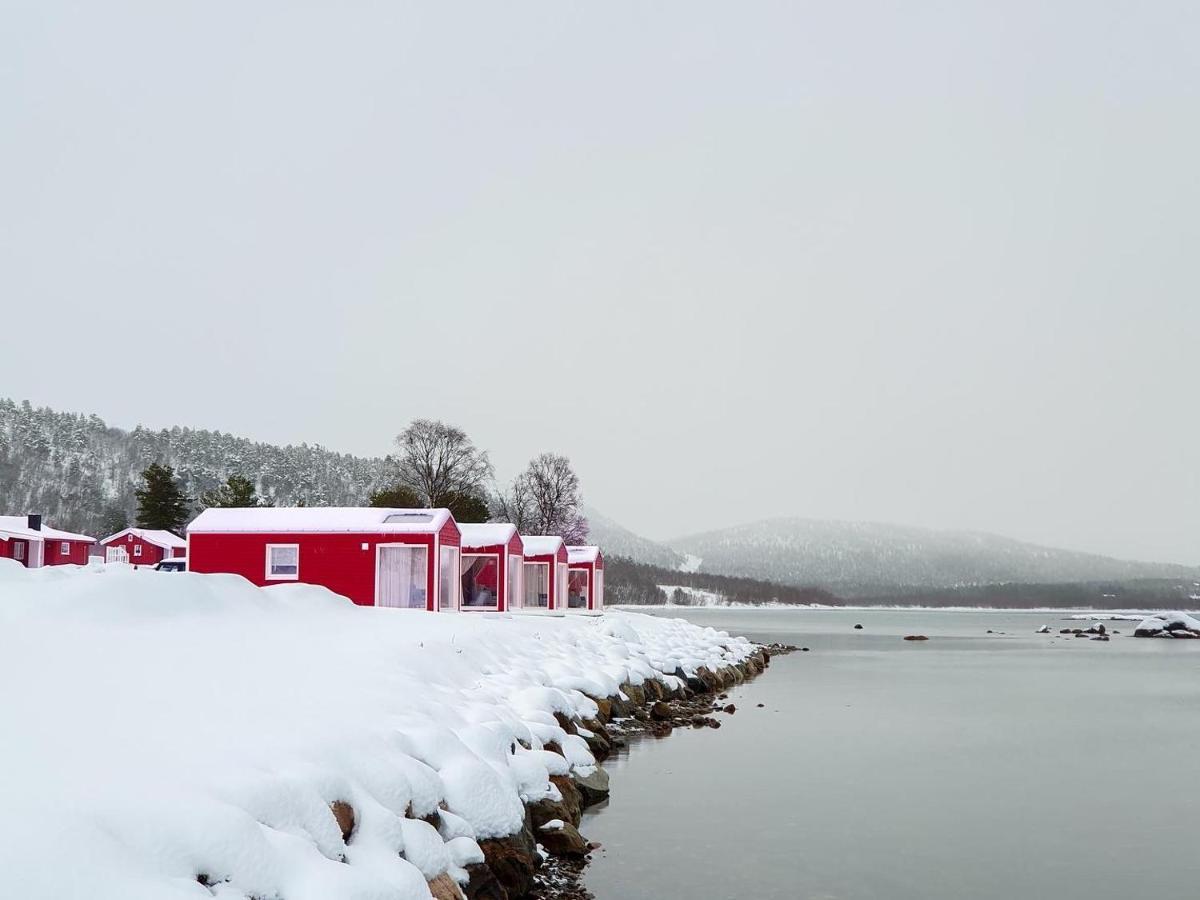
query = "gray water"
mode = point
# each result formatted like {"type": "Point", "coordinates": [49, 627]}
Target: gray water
{"type": "Point", "coordinates": [968, 766]}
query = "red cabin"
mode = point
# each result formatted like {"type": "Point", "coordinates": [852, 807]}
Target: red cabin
{"type": "Point", "coordinates": [143, 546]}
{"type": "Point", "coordinates": [585, 578]}
{"type": "Point", "coordinates": [406, 558]}
{"type": "Point", "coordinates": [33, 545]}
{"type": "Point", "coordinates": [545, 573]}
{"type": "Point", "coordinates": [492, 559]}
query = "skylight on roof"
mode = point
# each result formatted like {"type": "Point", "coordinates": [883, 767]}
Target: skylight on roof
{"type": "Point", "coordinates": [413, 518]}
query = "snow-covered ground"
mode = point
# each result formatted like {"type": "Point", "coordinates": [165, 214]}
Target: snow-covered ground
{"type": "Point", "coordinates": [162, 726]}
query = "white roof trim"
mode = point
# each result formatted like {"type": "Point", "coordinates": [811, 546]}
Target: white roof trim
{"type": "Point", "coordinates": [318, 520]}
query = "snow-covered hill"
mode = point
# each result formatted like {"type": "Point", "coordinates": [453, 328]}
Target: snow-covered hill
{"type": "Point", "coordinates": [862, 558]}
{"type": "Point", "coordinates": [617, 540]}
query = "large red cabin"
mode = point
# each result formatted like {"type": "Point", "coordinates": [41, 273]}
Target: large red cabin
{"type": "Point", "coordinates": [406, 558]}
{"type": "Point", "coordinates": [545, 574]}
{"type": "Point", "coordinates": [492, 561]}
{"type": "Point", "coordinates": [143, 546]}
{"type": "Point", "coordinates": [585, 578]}
{"type": "Point", "coordinates": [33, 545]}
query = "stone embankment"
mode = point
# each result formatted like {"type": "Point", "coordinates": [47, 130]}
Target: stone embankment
{"type": "Point", "coordinates": [546, 858]}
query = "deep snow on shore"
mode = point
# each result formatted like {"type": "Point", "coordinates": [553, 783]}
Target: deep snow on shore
{"type": "Point", "coordinates": [161, 727]}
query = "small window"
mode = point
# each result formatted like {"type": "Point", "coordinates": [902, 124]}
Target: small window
{"type": "Point", "coordinates": [18, 551]}
{"type": "Point", "coordinates": [283, 562]}
{"type": "Point", "coordinates": [65, 548]}
{"type": "Point", "coordinates": [137, 549]}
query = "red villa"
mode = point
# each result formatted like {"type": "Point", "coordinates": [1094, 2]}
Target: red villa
{"type": "Point", "coordinates": [585, 578]}
{"type": "Point", "coordinates": [407, 558]}
{"type": "Point", "coordinates": [492, 560]}
{"type": "Point", "coordinates": [545, 573]}
{"type": "Point", "coordinates": [143, 546]}
{"type": "Point", "coordinates": [26, 540]}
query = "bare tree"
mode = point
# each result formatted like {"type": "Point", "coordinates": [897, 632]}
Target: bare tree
{"type": "Point", "coordinates": [439, 462]}
{"type": "Point", "coordinates": [550, 489]}
{"type": "Point", "coordinates": [514, 504]}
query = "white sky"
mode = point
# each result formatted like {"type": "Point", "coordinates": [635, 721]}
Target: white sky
{"type": "Point", "coordinates": [932, 263]}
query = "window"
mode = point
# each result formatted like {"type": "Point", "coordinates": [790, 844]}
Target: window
{"type": "Point", "coordinates": [480, 580]}
{"type": "Point", "coordinates": [65, 548]}
{"type": "Point", "coordinates": [448, 579]}
{"type": "Point", "coordinates": [598, 600]}
{"type": "Point", "coordinates": [537, 586]}
{"type": "Point", "coordinates": [283, 562]}
{"type": "Point", "coordinates": [512, 591]}
{"type": "Point", "coordinates": [403, 577]}
{"type": "Point", "coordinates": [560, 586]}
{"type": "Point", "coordinates": [577, 589]}
{"type": "Point", "coordinates": [19, 550]}
{"type": "Point", "coordinates": [137, 549]}
{"type": "Point", "coordinates": [408, 518]}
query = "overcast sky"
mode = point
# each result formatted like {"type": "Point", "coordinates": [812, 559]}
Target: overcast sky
{"type": "Point", "coordinates": [930, 263]}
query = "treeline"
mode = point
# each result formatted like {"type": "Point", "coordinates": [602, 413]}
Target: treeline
{"type": "Point", "coordinates": [632, 583]}
{"type": "Point", "coordinates": [1157, 593]}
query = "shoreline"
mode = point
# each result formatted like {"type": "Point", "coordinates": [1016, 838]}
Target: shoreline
{"type": "Point", "coordinates": [781, 607]}
{"type": "Point", "coordinates": [561, 854]}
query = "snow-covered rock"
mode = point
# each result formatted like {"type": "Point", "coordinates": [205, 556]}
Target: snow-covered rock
{"type": "Point", "coordinates": [164, 728]}
{"type": "Point", "coordinates": [1168, 624]}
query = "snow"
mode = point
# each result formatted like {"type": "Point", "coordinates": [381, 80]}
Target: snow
{"type": "Point", "coordinates": [163, 726]}
{"type": "Point", "coordinates": [1168, 621]}
{"type": "Point", "coordinates": [583, 554]}
{"type": "Point", "coordinates": [318, 520]}
{"type": "Point", "coordinates": [18, 526]}
{"type": "Point", "coordinates": [155, 536]}
{"type": "Point", "coordinates": [690, 564]}
{"type": "Point", "coordinates": [489, 534]}
{"type": "Point", "coordinates": [541, 544]}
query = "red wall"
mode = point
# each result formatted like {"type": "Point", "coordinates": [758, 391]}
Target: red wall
{"type": "Point", "coordinates": [6, 549]}
{"type": "Point", "coordinates": [77, 553]}
{"type": "Point", "coordinates": [336, 561]}
{"type": "Point", "coordinates": [151, 553]}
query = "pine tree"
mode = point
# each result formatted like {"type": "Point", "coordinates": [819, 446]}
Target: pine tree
{"type": "Point", "coordinates": [161, 503]}
{"type": "Point", "coordinates": [397, 497]}
{"type": "Point", "coordinates": [237, 491]}
{"type": "Point", "coordinates": [468, 508]}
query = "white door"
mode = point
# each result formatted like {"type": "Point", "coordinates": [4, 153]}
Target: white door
{"type": "Point", "coordinates": [116, 554]}
{"type": "Point", "coordinates": [401, 580]}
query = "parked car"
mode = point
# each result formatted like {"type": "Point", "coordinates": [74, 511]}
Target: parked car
{"type": "Point", "coordinates": [172, 564]}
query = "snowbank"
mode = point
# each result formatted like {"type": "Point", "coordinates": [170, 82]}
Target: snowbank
{"type": "Point", "coordinates": [164, 728]}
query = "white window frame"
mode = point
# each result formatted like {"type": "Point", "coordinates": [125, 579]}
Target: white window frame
{"type": "Point", "coordinates": [455, 578]}
{"type": "Point", "coordinates": [64, 548]}
{"type": "Point", "coordinates": [20, 551]}
{"type": "Point", "coordinates": [545, 566]}
{"type": "Point", "coordinates": [462, 561]}
{"type": "Point", "coordinates": [137, 549]}
{"type": "Point", "coordinates": [268, 575]}
{"type": "Point", "coordinates": [560, 586]}
{"type": "Point", "coordinates": [587, 588]}
{"type": "Point", "coordinates": [424, 550]}
{"type": "Point", "coordinates": [514, 578]}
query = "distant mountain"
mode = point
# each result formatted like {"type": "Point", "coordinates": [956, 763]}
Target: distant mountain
{"type": "Point", "coordinates": [617, 540]}
{"type": "Point", "coordinates": [81, 474]}
{"type": "Point", "coordinates": [867, 559]}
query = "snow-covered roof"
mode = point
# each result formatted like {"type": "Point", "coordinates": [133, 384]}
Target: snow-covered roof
{"type": "Point", "coordinates": [18, 526]}
{"type": "Point", "coordinates": [541, 544]}
{"type": "Point", "coordinates": [319, 520]}
{"type": "Point", "coordinates": [487, 534]}
{"type": "Point", "coordinates": [583, 554]}
{"type": "Point", "coordinates": [155, 536]}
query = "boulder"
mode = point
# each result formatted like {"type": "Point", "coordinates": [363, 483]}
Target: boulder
{"type": "Point", "coordinates": [513, 860]}
{"type": "Point", "coordinates": [444, 888]}
{"type": "Point", "coordinates": [593, 788]}
{"type": "Point", "coordinates": [915, 637]}
{"type": "Point", "coordinates": [343, 812]}
{"type": "Point", "coordinates": [1045, 629]}
{"type": "Point", "coordinates": [858, 627]}
{"type": "Point", "coordinates": [565, 723]}
{"type": "Point", "coordinates": [561, 838]}
{"type": "Point", "coordinates": [483, 884]}
{"type": "Point", "coordinates": [660, 712]}
{"type": "Point", "coordinates": [572, 800]}
{"type": "Point", "coordinates": [635, 693]}
{"type": "Point", "coordinates": [605, 712]}
{"type": "Point", "coordinates": [543, 811]}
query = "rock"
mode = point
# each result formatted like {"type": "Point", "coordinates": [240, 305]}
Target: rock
{"type": "Point", "coordinates": [697, 684]}
{"type": "Point", "coordinates": [915, 637]}
{"type": "Point", "coordinates": [655, 690]}
{"type": "Point", "coordinates": [1045, 629]}
{"type": "Point", "coordinates": [565, 723]}
{"type": "Point", "coordinates": [445, 888]}
{"type": "Point", "coordinates": [711, 681]}
{"type": "Point", "coordinates": [605, 712]}
{"type": "Point", "coordinates": [553, 747]}
{"type": "Point", "coordinates": [1064, 631]}
{"type": "Point", "coordinates": [636, 694]}
{"type": "Point", "coordinates": [761, 705]}
{"type": "Point", "coordinates": [513, 859]}
{"type": "Point", "coordinates": [858, 627]}
{"type": "Point", "coordinates": [571, 803]}
{"type": "Point", "coordinates": [803, 649]}
{"type": "Point", "coordinates": [599, 744]}
{"type": "Point", "coordinates": [731, 709]}
{"type": "Point", "coordinates": [1101, 637]}
{"type": "Point", "coordinates": [543, 811]}
{"type": "Point", "coordinates": [660, 712]}
{"type": "Point", "coordinates": [343, 812]}
{"type": "Point", "coordinates": [564, 840]}
{"type": "Point", "coordinates": [483, 884]}
{"type": "Point", "coordinates": [593, 788]}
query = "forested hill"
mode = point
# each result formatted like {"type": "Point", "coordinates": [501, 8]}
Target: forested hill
{"type": "Point", "coordinates": [81, 474]}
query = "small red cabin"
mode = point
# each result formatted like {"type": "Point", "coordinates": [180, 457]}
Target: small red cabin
{"type": "Point", "coordinates": [545, 573]}
{"type": "Point", "coordinates": [143, 546]}
{"type": "Point", "coordinates": [406, 558]}
{"type": "Point", "coordinates": [585, 578]}
{"type": "Point", "coordinates": [34, 545]}
{"type": "Point", "coordinates": [492, 560]}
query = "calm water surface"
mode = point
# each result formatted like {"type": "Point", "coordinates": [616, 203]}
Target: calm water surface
{"type": "Point", "coordinates": [969, 766]}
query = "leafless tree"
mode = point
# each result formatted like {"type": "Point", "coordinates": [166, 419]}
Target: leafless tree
{"type": "Point", "coordinates": [546, 496]}
{"type": "Point", "coordinates": [440, 462]}
{"type": "Point", "coordinates": [515, 504]}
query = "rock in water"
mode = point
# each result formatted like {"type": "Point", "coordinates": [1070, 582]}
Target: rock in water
{"type": "Point", "coordinates": [562, 839]}
{"type": "Point", "coordinates": [1045, 629]}
{"type": "Point", "coordinates": [858, 627]}
{"type": "Point", "coordinates": [915, 637]}
{"type": "Point", "coordinates": [593, 787]}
